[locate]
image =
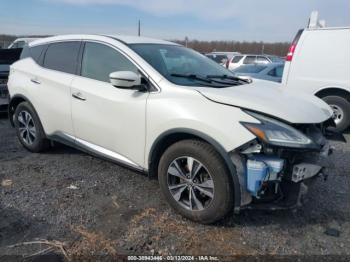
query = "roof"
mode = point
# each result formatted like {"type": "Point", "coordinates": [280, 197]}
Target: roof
{"type": "Point", "coordinates": [122, 38]}
{"type": "Point", "coordinates": [26, 39]}
{"type": "Point", "coordinates": [128, 39]}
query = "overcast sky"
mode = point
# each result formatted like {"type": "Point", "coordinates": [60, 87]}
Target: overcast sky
{"type": "Point", "coordinates": [259, 20]}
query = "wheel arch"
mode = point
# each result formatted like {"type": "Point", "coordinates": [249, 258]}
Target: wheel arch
{"type": "Point", "coordinates": [14, 102]}
{"type": "Point", "coordinates": [172, 136]}
{"type": "Point", "coordinates": [334, 91]}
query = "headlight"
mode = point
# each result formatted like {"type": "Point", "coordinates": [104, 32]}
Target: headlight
{"type": "Point", "coordinates": [276, 133]}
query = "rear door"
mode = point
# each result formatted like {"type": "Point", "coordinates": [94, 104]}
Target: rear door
{"type": "Point", "coordinates": [51, 86]}
{"type": "Point", "coordinates": [107, 119]}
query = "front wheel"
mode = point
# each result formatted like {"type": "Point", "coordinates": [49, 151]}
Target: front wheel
{"type": "Point", "coordinates": [341, 111]}
{"type": "Point", "coordinates": [195, 181]}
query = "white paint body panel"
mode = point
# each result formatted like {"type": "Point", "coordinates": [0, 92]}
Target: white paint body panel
{"type": "Point", "coordinates": [321, 60]}
{"type": "Point", "coordinates": [126, 123]}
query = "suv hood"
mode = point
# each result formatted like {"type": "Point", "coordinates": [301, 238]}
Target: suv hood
{"type": "Point", "coordinates": [272, 99]}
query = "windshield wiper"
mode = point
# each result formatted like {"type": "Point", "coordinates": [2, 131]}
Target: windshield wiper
{"type": "Point", "coordinates": [237, 79]}
{"type": "Point", "coordinates": [193, 76]}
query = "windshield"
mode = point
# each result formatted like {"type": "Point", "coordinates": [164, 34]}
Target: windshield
{"type": "Point", "coordinates": [183, 66]}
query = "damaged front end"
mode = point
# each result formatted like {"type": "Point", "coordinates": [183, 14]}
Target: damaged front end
{"type": "Point", "coordinates": [276, 169]}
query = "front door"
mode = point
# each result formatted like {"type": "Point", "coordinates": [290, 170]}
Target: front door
{"type": "Point", "coordinates": [107, 119]}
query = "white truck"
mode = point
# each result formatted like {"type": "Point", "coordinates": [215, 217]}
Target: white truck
{"type": "Point", "coordinates": [318, 63]}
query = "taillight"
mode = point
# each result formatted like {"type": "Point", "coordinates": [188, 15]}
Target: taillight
{"type": "Point", "coordinates": [293, 46]}
{"type": "Point", "coordinates": [290, 54]}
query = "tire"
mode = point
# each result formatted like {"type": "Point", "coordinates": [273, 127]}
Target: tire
{"type": "Point", "coordinates": [341, 109]}
{"type": "Point", "coordinates": [29, 129]}
{"type": "Point", "coordinates": [214, 175]}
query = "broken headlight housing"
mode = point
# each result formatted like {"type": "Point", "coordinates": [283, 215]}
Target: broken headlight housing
{"type": "Point", "coordinates": [274, 132]}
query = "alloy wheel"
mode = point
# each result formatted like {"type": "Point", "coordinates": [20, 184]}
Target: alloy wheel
{"type": "Point", "coordinates": [190, 183]}
{"type": "Point", "coordinates": [26, 127]}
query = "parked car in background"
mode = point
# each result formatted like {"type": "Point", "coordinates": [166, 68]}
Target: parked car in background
{"type": "Point", "coordinates": [270, 72]}
{"type": "Point", "coordinates": [21, 42]}
{"type": "Point", "coordinates": [309, 69]}
{"type": "Point", "coordinates": [221, 57]}
{"type": "Point", "coordinates": [214, 141]}
{"type": "Point", "coordinates": [7, 57]}
{"type": "Point", "coordinates": [239, 60]}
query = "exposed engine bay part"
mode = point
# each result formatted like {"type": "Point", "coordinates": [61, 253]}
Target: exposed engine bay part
{"type": "Point", "coordinates": [276, 177]}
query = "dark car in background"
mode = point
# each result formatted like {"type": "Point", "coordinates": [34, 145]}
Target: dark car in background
{"type": "Point", "coordinates": [7, 57]}
{"type": "Point", "coordinates": [270, 72]}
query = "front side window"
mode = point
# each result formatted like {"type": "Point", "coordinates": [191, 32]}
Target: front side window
{"type": "Point", "coordinates": [100, 60]}
{"type": "Point", "coordinates": [249, 60]}
{"type": "Point", "coordinates": [181, 65]}
{"type": "Point", "coordinates": [62, 57]}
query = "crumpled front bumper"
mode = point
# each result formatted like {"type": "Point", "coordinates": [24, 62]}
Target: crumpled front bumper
{"type": "Point", "coordinates": [312, 164]}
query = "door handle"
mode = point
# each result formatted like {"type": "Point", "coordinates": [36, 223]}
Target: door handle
{"type": "Point", "coordinates": [79, 96]}
{"type": "Point", "coordinates": [35, 81]}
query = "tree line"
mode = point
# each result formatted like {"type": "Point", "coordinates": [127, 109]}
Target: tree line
{"type": "Point", "coordinates": [244, 47]}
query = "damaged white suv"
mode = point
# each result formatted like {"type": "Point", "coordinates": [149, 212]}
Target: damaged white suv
{"type": "Point", "coordinates": [216, 142]}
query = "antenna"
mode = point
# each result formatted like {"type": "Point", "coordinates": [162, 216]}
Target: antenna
{"type": "Point", "coordinates": [139, 28]}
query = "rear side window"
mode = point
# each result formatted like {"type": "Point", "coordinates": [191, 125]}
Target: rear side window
{"type": "Point", "coordinates": [249, 60]}
{"type": "Point", "coordinates": [36, 53]}
{"type": "Point", "coordinates": [62, 57]}
{"type": "Point", "coordinates": [236, 59]}
{"type": "Point", "coordinates": [262, 60]}
{"type": "Point", "coordinates": [100, 60]}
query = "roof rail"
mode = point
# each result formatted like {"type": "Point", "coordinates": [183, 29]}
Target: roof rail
{"type": "Point", "coordinates": [314, 21]}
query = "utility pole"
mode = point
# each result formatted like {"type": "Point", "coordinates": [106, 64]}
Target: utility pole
{"type": "Point", "coordinates": [139, 28]}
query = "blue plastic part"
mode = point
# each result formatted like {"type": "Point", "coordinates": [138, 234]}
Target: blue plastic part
{"type": "Point", "coordinates": [262, 168]}
{"type": "Point", "coordinates": [256, 173]}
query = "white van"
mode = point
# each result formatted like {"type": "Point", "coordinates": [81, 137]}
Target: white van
{"type": "Point", "coordinates": [318, 63]}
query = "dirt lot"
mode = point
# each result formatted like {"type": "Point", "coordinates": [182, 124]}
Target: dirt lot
{"type": "Point", "coordinates": [91, 206]}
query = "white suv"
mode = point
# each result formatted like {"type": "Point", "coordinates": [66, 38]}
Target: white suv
{"type": "Point", "coordinates": [317, 64]}
{"type": "Point", "coordinates": [239, 60]}
{"type": "Point", "coordinates": [214, 141]}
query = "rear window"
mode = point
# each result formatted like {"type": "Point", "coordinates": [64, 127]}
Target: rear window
{"type": "Point", "coordinates": [62, 57]}
{"type": "Point", "coordinates": [252, 69]}
{"type": "Point", "coordinates": [249, 60]}
{"type": "Point", "coordinates": [217, 58]}
{"type": "Point", "coordinates": [236, 58]}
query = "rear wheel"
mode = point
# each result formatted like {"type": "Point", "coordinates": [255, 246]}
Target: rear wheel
{"type": "Point", "coordinates": [341, 111]}
{"type": "Point", "coordinates": [195, 181]}
{"type": "Point", "coordinates": [29, 129]}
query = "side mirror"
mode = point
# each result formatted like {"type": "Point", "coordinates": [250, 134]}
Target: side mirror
{"type": "Point", "coordinates": [125, 79]}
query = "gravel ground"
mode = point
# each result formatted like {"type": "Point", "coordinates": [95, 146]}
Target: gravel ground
{"type": "Point", "coordinates": [91, 206]}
